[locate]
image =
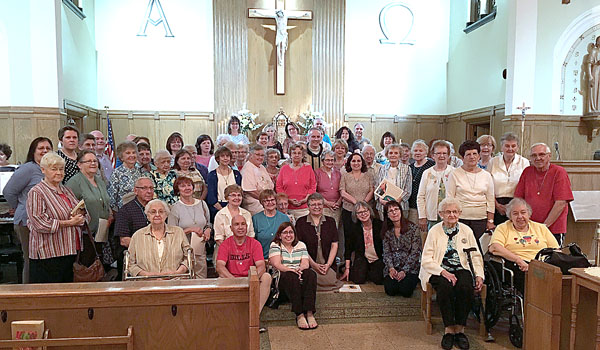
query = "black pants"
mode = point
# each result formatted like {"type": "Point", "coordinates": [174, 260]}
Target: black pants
{"type": "Point", "coordinates": [478, 226]}
{"type": "Point", "coordinates": [455, 301]}
{"type": "Point", "coordinates": [301, 294]}
{"type": "Point", "coordinates": [499, 218]}
{"type": "Point", "coordinates": [519, 276]}
{"type": "Point", "coordinates": [362, 270]}
{"type": "Point", "coordinates": [348, 223]}
{"type": "Point", "coordinates": [119, 256]}
{"type": "Point", "coordinates": [52, 270]}
{"type": "Point", "coordinates": [405, 287]}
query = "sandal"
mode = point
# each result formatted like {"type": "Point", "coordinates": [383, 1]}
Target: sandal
{"type": "Point", "coordinates": [301, 323]}
{"type": "Point", "coordinates": [312, 323]}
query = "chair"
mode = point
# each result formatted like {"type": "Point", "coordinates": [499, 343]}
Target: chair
{"type": "Point", "coordinates": [187, 275]}
{"type": "Point", "coordinates": [426, 301]}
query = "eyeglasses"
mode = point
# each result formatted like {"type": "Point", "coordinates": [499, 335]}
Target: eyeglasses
{"type": "Point", "coordinates": [393, 209]}
{"type": "Point", "coordinates": [362, 212]}
{"type": "Point", "coordinates": [448, 212]}
{"type": "Point", "coordinates": [159, 212]}
{"type": "Point", "coordinates": [89, 161]}
{"type": "Point", "coordinates": [315, 205]}
{"type": "Point", "coordinates": [440, 154]}
{"type": "Point", "coordinates": [145, 188]}
{"type": "Point", "coordinates": [269, 200]}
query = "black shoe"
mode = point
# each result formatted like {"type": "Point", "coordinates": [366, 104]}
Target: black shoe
{"type": "Point", "coordinates": [447, 341]}
{"type": "Point", "coordinates": [460, 339]}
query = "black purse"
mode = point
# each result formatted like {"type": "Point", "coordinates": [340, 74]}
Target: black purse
{"type": "Point", "coordinates": [273, 300]}
{"type": "Point", "coordinates": [555, 257]}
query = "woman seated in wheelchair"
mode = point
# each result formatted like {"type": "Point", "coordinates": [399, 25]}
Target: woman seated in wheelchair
{"type": "Point", "coordinates": [519, 239]}
{"type": "Point", "coordinates": [445, 264]}
{"type": "Point", "coordinates": [158, 249]}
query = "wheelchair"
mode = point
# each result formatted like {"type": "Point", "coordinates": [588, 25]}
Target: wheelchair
{"type": "Point", "coordinates": [187, 275]}
{"type": "Point", "coordinates": [501, 293]}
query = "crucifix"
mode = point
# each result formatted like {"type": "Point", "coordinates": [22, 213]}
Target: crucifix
{"type": "Point", "coordinates": [281, 16]}
{"type": "Point", "coordinates": [523, 109]}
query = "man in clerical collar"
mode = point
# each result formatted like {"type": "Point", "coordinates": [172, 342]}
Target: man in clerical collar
{"type": "Point", "coordinates": [145, 158]}
{"type": "Point", "coordinates": [105, 163]}
{"type": "Point", "coordinates": [358, 136]}
{"type": "Point", "coordinates": [315, 147]}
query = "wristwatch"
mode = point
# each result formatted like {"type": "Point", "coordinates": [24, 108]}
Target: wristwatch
{"type": "Point", "coordinates": [490, 221]}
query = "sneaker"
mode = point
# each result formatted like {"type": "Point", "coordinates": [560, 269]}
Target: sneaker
{"type": "Point", "coordinates": [447, 341]}
{"type": "Point", "coordinates": [461, 340]}
{"type": "Point", "coordinates": [262, 329]}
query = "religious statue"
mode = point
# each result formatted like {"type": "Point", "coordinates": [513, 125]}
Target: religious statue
{"type": "Point", "coordinates": [281, 36]}
{"type": "Point", "coordinates": [280, 120]}
{"type": "Point", "coordinates": [593, 72]}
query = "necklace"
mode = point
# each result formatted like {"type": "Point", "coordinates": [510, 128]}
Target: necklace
{"type": "Point", "coordinates": [539, 187]}
{"type": "Point", "coordinates": [472, 183]}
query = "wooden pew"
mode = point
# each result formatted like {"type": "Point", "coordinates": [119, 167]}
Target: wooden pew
{"type": "Point", "coordinates": [183, 314]}
{"type": "Point", "coordinates": [547, 307]}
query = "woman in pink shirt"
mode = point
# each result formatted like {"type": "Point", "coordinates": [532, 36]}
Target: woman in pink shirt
{"type": "Point", "coordinates": [328, 185]}
{"type": "Point", "coordinates": [297, 180]}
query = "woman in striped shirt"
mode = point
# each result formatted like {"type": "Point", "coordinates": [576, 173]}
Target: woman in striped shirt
{"type": "Point", "coordinates": [55, 234]}
{"type": "Point", "coordinates": [297, 281]}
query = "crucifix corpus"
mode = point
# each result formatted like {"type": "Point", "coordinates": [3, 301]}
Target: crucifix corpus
{"type": "Point", "coordinates": [523, 109]}
{"type": "Point", "coordinates": [281, 16]}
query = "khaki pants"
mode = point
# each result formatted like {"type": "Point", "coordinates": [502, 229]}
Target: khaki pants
{"type": "Point", "coordinates": [23, 234]}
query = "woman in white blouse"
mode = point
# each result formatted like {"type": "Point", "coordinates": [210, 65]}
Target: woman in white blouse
{"type": "Point", "coordinates": [474, 189]}
{"type": "Point", "coordinates": [506, 171]}
{"type": "Point", "coordinates": [432, 189]}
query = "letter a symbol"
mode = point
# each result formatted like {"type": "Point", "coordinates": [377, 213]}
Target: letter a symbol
{"type": "Point", "coordinates": [162, 19]}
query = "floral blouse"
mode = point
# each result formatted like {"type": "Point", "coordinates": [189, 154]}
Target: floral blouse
{"type": "Point", "coordinates": [163, 186]}
{"type": "Point", "coordinates": [402, 253]}
{"type": "Point", "coordinates": [121, 183]}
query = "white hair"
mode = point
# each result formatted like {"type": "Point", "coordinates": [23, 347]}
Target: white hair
{"type": "Point", "coordinates": [51, 158]}
{"type": "Point", "coordinates": [419, 143]}
{"type": "Point", "coordinates": [447, 202]}
{"type": "Point", "coordinates": [369, 145]}
{"type": "Point", "coordinates": [163, 153]}
{"type": "Point", "coordinates": [154, 201]}
{"type": "Point", "coordinates": [540, 144]}
{"type": "Point", "coordinates": [222, 137]}
{"type": "Point", "coordinates": [513, 203]}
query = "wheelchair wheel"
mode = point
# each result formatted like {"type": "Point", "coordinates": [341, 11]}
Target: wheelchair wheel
{"type": "Point", "coordinates": [515, 332]}
{"type": "Point", "coordinates": [493, 301]}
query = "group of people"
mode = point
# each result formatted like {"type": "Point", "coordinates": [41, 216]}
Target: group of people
{"type": "Point", "coordinates": [294, 209]}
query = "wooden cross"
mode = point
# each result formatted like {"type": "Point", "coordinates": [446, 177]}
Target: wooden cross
{"type": "Point", "coordinates": [523, 109]}
{"type": "Point", "coordinates": [280, 15]}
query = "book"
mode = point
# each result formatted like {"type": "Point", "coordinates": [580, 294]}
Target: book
{"type": "Point", "coordinates": [22, 330]}
{"type": "Point", "coordinates": [80, 205]}
{"type": "Point", "coordinates": [102, 233]}
{"type": "Point", "coordinates": [350, 288]}
{"type": "Point", "coordinates": [388, 191]}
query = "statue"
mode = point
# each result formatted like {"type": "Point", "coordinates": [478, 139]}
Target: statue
{"type": "Point", "coordinates": [280, 120]}
{"type": "Point", "coordinates": [593, 72]}
{"type": "Point", "coordinates": [281, 36]}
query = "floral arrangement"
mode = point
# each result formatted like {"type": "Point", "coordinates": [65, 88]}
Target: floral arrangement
{"type": "Point", "coordinates": [247, 121]}
{"type": "Point", "coordinates": [307, 119]}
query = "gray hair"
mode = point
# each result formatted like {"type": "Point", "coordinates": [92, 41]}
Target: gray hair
{"type": "Point", "coordinates": [326, 153]}
{"type": "Point", "coordinates": [123, 146]}
{"type": "Point", "coordinates": [255, 148]}
{"type": "Point", "coordinates": [516, 202]}
{"type": "Point", "coordinates": [51, 158]}
{"type": "Point", "coordinates": [362, 204]}
{"type": "Point", "coordinates": [359, 123]}
{"type": "Point", "coordinates": [154, 201]}
{"type": "Point", "coordinates": [163, 153]}
{"type": "Point", "coordinates": [368, 145]}
{"type": "Point", "coordinates": [221, 138]}
{"type": "Point", "coordinates": [142, 178]}
{"type": "Point", "coordinates": [191, 149]}
{"type": "Point", "coordinates": [272, 150]}
{"type": "Point", "coordinates": [315, 197]}
{"type": "Point", "coordinates": [540, 144]}
{"type": "Point", "coordinates": [320, 130]}
{"type": "Point", "coordinates": [419, 143]}
{"type": "Point", "coordinates": [509, 136]}
{"type": "Point", "coordinates": [393, 145]}
{"type": "Point", "coordinates": [442, 143]}
{"type": "Point", "coordinates": [449, 201]}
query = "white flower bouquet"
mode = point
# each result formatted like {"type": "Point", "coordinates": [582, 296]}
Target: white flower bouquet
{"type": "Point", "coordinates": [307, 119]}
{"type": "Point", "coordinates": [247, 121]}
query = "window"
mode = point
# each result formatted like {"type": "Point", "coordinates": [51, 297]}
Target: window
{"type": "Point", "coordinates": [480, 13]}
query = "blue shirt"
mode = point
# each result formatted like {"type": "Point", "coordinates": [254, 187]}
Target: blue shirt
{"type": "Point", "coordinates": [327, 139]}
{"type": "Point", "coordinates": [265, 228]}
{"type": "Point", "coordinates": [17, 188]}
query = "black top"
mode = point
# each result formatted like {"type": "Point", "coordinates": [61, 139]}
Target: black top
{"type": "Point", "coordinates": [355, 241]}
{"type": "Point", "coordinates": [416, 173]}
{"type": "Point", "coordinates": [130, 218]}
{"type": "Point", "coordinates": [307, 233]}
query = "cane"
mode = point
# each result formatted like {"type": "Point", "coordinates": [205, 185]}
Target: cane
{"type": "Point", "coordinates": [478, 296]}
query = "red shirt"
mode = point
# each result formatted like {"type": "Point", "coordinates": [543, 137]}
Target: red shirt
{"type": "Point", "coordinates": [542, 189]}
{"type": "Point", "coordinates": [239, 258]}
{"type": "Point", "coordinates": [296, 183]}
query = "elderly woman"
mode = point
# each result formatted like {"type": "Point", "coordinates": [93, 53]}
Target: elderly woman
{"type": "Point", "coordinates": [328, 185]}
{"type": "Point", "coordinates": [17, 189]}
{"type": "Point", "coordinates": [267, 221]}
{"type": "Point", "coordinates": [122, 180]}
{"type": "Point", "coordinates": [158, 249]}
{"type": "Point", "coordinates": [174, 145]}
{"type": "Point", "coordinates": [432, 188]}
{"type": "Point", "coordinates": [233, 129]}
{"type": "Point", "coordinates": [202, 169]}
{"type": "Point", "coordinates": [364, 242]}
{"type": "Point", "coordinates": [192, 215]}
{"type": "Point", "coordinates": [520, 239]}
{"type": "Point", "coordinates": [164, 177]}
{"type": "Point", "coordinates": [273, 143]}
{"type": "Point", "coordinates": [219, 179]}
{"type": "Point", "coordinates": [296, 280]}
{"type": "Point", "coordinates": [344, 133]}
{"type": "Point", "coordinates": [401, 252]}
{"type": "Point", "coordinates": [444, 264]}
{"type": "Point", "coordinates": [55, 232]}
{"type": "Point", "coordinates": [205, 149]}
{"type": "Point", "coordinates": [386, 139]}
{"type": "Point", "coordinates": [88, 185]}
{"type": "Point", "coordinates": [293, 135]}
{"type": "Point", "coordinates": [340, 151]}
{"type": "Point", "coordinates": [474, 189]}
{"type": "Point", "coordinates": [419, 152]}
{"type": "Point", "coordinates": [297, 180]}
{"type": "Point", "coordinates": [184, 166]}
{"type": "Point", "coordinates": [320, 235]}
{"type": "Point", "coordinates": [272, 167]}
{"type": "Point", "coordinates": [506, 170]}
{"type": "Point", "coordinates": [396, 173]}
{"type": "Point", "coordinates": [488, 145]}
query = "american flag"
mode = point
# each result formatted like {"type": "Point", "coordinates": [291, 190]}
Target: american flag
{"type": "Point", "coordinates": [110, 145]}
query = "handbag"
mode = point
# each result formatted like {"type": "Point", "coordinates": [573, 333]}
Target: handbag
{"type": "Point", "coordinates": [576, 258]}
{"type": "Point", "coordinates": [273, 300]}
{"type": "Point", "coordinates": [93, 273]}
